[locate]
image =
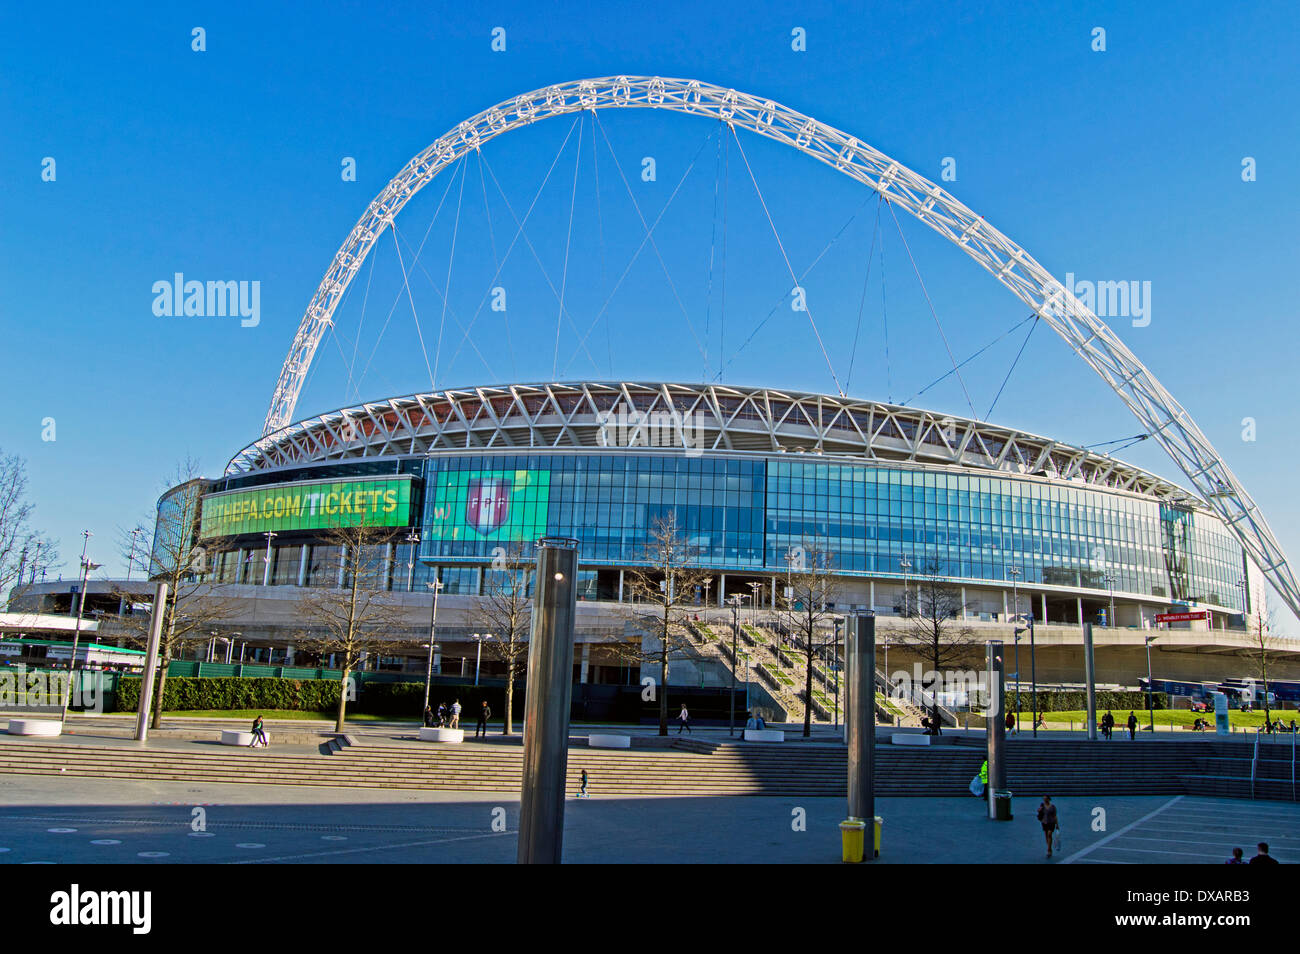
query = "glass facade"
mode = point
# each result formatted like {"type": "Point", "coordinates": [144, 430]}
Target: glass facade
{"type": "Point", "coordinates": [744, 513]}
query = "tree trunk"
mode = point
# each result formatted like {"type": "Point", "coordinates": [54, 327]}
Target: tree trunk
{"type": "Point", "coordinates": [663, 687]}
{"type": "Point", "coordinates": [507, 727]}
{"type": "Point", "coordinates": [160, 685]}
{"type": "Point", "coordinates": [934, 689]}
{"type": "Point", "coordinates": [807, 691]}
{"type": "Point", "coordinates": [343, 699]}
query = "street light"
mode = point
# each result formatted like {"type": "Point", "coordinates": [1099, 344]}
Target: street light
{"type": "Point", "coordinates": [1151, 713]}
{"type": "Point", "coordinates": [835, 668]}
{"type": "Point", "coordinates": [1033, 671]}
{"type": "Point", "coordinates": [130, 561]}
{"type": "Point", "coordinates": [708, 582]}
{"type": "Point", "coordinates": [1110, 582]}
{"type": "Point", "coordinates": [754, 587]}
{"type": "Point", "coordinates": [413, 538]}
{"type": "Point", "coordinates": [1015, 618]}
{"type": "Point", "coordinates": [735, 629]}
{"type": "Point", "coordinates": [86, 567]}
{"type": "Point", "coordinates": [436, 587]}
{"type": "Point", "coordinates": [266, 576]}
{"type": "Point", "coordinates": [478, 655]}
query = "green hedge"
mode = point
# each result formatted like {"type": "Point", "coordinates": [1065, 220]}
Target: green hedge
{"type": "Point", "coordinates": [185, 693]}
{"type": "Point", "coordinates": [188, 692]}
{"type": "Point", "coordinates": [1077, 700]}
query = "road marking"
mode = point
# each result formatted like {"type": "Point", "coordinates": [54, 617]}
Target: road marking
{"type": "Point", "coordinates": [105, 841]}
{"type": "Point", "coordinates": [1091, 848]}
{"type": "Point", "coordinates": [152, 854]}
{"type": "Point", "coordinates": [348, 851]}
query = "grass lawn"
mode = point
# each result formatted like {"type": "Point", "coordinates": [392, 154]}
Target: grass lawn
{"type": "Point", "coordinates": [1164, 719]}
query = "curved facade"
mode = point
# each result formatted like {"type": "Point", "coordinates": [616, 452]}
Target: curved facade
{"type": "Point", "coordinates": [749, 473]}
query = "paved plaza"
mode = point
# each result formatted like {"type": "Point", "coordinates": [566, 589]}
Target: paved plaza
{"type": "Point", "coordinates": [86, 821]}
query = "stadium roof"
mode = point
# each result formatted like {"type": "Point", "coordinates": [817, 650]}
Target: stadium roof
{"type": "Point", "coordinates": [729, 418]}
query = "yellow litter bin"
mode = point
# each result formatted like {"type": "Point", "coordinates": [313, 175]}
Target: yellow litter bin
{"type": "Point", "coordinates": [853, 834]}
{"type": "Point", "coordinates": [880, 822]}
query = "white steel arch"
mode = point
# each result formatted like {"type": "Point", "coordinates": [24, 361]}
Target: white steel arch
{"type": "Point", "coordinates": [1160, 414]}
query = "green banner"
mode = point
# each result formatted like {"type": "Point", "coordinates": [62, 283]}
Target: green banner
{"type": "Point", "coordinates": [310, 505]}
{"type": "Point", "coordinates": [500, 505]}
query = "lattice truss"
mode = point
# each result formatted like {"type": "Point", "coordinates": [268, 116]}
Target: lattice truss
{"type": "Point", "coordinates": [1163, 418]}
{"type": "Point", "coordinates": [646, 416]}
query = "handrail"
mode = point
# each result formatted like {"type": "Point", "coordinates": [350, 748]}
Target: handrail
{"type": "Point", "coordinates": [1254, 763]}
{"type": "Point", "coordinates": [1293, 738]}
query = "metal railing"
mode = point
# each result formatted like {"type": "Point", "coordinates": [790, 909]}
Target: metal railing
{"type": "Point", "coordinates": [1254, 763]}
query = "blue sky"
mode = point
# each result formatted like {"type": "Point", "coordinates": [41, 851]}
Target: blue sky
{"type": "Point", "coordinates": [225, 164]}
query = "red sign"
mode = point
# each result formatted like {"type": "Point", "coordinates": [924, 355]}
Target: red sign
{"type": "Point", "coordinates": [1182, 617]}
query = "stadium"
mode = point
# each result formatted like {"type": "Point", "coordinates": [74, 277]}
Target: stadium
{"type": "Point", "coordinates": [1023, 524]}
{"type": "Point", "coordinates": [459, 475]}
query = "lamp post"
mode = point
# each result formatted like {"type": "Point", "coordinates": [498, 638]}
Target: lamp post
{"type": "Point", "coordinates": [1110, 582]}
{"type": "Point", "coordinates": [435, 586]}
{"type": "Point", "coordinates": [1015, 633]}
{"type": "Point", "coordinates": [745, 655]}
{"type": "Point", "coordinates": [906, 565]}
{"type": "Point", "coordinates": [708, 582]}
{"type": "Point", "coordinates": [835, 663]}
{"type": "Point", "coordinates": [130, 561]}
{"type": "Point", "coordinates": [1033, 671]}
{"type": "Point", "coordinates": [735, 630]}
{"type": "Point", "coordinates": [478, 655]}
{"type": "Point", "coordinates": [754, 587]}
{"type": "Point", "coordinates": [413, 538]}
{"type": "Point", "coordinates": [266, 574]}
{"type": "Point", "coordinates": [1151, 712]}
{"type": "Point", "coordinates": [86, 567]}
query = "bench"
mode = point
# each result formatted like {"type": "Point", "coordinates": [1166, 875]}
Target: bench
{"type": "Point", "coordinates": [907, 738]}
{"type": "Point", "coordinates": [764, 735]}
{"type": "Point", "coordinates": [43, 727]}
{"type": "Point", "coordinates": [597, 741]}
{"type": "Point", "coordinates": [438, 734]}
{"type": "Point", "coordinates": [240, 737]}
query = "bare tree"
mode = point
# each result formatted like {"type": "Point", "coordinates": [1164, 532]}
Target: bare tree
{"type": "Point", "coordinates": [934, 630]}
{"type": "Point", "coordinates": [23, 551]}
{"type": "Point", "coordinates": [809, 593]}
{"type": "Point", "coordinates": [194, 602]}
{"type": "Point", "coordinates": [1267, 648]}
{"type": "Point", "coordinates": [506, 613]}
{"type": "Point", "coordinates": [663, 589]}
{"type": "Point", "coordinates": [354, 618]}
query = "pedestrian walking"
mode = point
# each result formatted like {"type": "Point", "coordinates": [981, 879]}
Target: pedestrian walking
{"type": "Point", "coordinates": [442, 715]}
{"type": "Point", "coordinates": [484, 713]}
{"type": "Point", "coordinates": [1263, 857]}
{"type": "Point", "coordinates": [1107, 724]}
{"type": "Point", "coordinates": [1047, 818]}
{"type": "Point", "coordinates": [582, 790]}
{"type": "Point", "coordinates": [1132, 726]}
{"type": "Point", "coordinates": [259, 734]}
{"type": "Point", "coordinates": [455, 714]}
{"type": "Point", "coordinates": [683, 720]}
